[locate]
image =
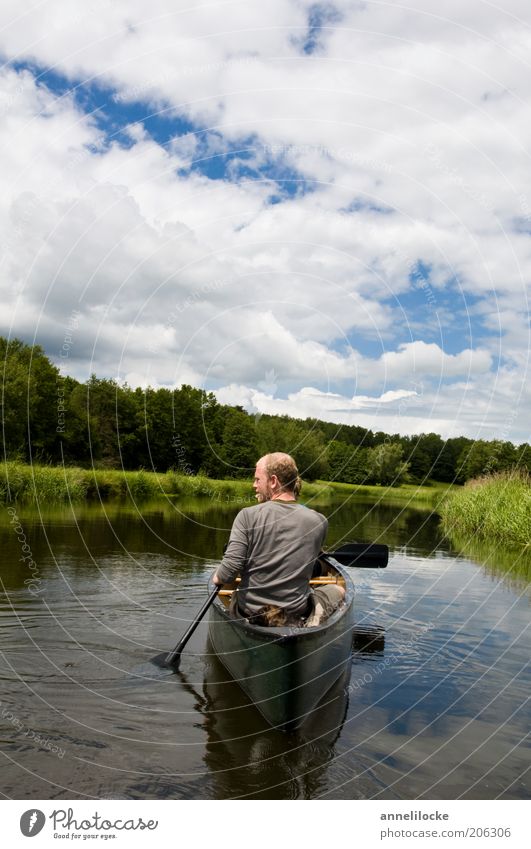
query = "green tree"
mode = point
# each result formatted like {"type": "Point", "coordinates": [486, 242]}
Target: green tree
{"type": "Point", "coordinates": [422, 454]}
{"type": "Point", "coordinates": [213, 419]}
{"type": "Point", "coordinates": [158, 445]}
{"type": "Point", "coordinates": [307, 446]}
{"type": "Point", "coordinates": [240, 445]}
{"type": "Point", "coordinates": [101, 421]}
{"type": "Point", "coordinates": [523, 457]}
{"type": "Point", "coordinates": [385, 465]}
{"type": "Point", "coordinates": [29, 402]}
{"type": "Point", "coordinates": [190, 406]}
{"type": "Point", "coordinates": [127, 434]}
{"type": "Point", "coordinates": [503, 457]}
{"type": "Point", "coordinates": [446, 464]}
{"type": "Point", "coordinates": [77, 427]}
{"type": "Point", "coordinates": [481, 458]}
{"type": "Point", "coordinates": [311, 454]}
{"type": "Point", "coordinates": [102, 424]}
{"type": "Point", "coordinates": [273, 434]}
{"type": "Point", "coordinates": [347, 463]}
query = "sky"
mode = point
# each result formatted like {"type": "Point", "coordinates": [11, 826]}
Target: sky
{"type": "Point", "coordinates": [312, 209]}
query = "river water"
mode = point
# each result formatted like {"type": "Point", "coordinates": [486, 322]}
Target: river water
{"type": "Point", "coordinates": [435, 706]}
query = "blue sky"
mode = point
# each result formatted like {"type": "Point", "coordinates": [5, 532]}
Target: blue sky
{"type": "Point", "coordinates": [314, 209]}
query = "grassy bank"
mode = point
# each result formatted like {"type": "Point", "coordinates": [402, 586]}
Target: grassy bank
{"type": "Point", "coordinates": [495, 508]}
{"type": "Point", "coordinates": [55, 484]}
{"type": "Point", "coordinates": [430, 495]}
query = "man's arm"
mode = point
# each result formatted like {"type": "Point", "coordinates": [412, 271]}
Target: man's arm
{"type": "Point", "coordinates": [235, 556]}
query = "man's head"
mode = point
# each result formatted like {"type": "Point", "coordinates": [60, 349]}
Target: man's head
{"type": "Point", "coordinates": [276, 476]}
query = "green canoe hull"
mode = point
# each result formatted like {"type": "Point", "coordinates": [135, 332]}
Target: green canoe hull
{"type": "Point", "coordinates": [285, 671]}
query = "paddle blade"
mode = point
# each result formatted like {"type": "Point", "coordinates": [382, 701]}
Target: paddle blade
{"type": "Point", "coordinates": [173, 659]}
{"type": "Point", "coordinates": [362, 555]}
{"type": "Point", "coordinates": [161, 660]}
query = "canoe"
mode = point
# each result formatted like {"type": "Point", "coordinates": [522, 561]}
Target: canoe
{"type": "Point", "coordinates": [285, 671]}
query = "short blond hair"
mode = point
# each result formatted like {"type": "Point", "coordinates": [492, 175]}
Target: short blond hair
{"type": "Point", "coordinates": [284, 467]}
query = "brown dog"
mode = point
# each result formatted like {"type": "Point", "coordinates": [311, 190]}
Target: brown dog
{"type": "Point", "coordinates": [271, 616]}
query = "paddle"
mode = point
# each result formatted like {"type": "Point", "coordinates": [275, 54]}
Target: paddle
{"type": "Point", "coordinates": [174, 657]}
{"type": "Point", "coordinates": [364, 555]}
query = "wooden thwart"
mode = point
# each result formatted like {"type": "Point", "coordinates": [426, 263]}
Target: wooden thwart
{"type": "Point", "coordinates": [314, 582]}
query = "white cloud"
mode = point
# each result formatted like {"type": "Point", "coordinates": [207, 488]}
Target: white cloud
{"type": "Point", "coordinates": [421, 111]}
{"type": "Point", "coordinates": [428, 360]}
{"type": "Point", "coordinates": [464, 408]}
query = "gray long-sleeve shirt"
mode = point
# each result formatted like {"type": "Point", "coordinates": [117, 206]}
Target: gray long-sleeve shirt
{"type": "Point", "coordinates": [273, 546]}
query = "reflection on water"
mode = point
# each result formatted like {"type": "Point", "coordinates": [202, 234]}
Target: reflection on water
{"type": "Point", "coordinates": [247, 758]}
{"type": "Point", "coordinates": [397, 526]}
{"type": "Point", "coordinates": [513, 564]}
{"type": "Point", "coordinates": [368, 640]}
{"type": "Point", "coordinates": [434, 705]}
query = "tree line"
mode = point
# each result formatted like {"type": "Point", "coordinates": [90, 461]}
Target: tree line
{"type": "Point", "coordinates": [47, 417]}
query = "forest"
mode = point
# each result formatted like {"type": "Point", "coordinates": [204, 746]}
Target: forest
{"type": "Point", "coordinates": [51, 418]}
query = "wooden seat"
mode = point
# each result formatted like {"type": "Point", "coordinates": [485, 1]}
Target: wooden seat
{"type": "Point", "coordinates": [314, 582]}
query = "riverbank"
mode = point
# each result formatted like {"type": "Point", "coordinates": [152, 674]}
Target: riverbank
{"type": "Point", "coordinates": [429, 495]}
{"type": "Point", "coordinates": [495, 508]}
{"type": "Point", "coordinates": [23, 483]}
{"type": "Point", "coordinates": [51, 484]}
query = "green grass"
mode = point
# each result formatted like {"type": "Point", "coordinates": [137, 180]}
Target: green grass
{"type": "Point", "coordinates": [20, 482]}
{"type": "Point", "coordinates": [495, 508]}
{"type": "Point", "coordinates": [54, 484]}
{"type": "Point", "coordinates": [431, 494]}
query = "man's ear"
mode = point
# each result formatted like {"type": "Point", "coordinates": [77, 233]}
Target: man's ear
{"type": "Point", "coordinates": [273, 482]}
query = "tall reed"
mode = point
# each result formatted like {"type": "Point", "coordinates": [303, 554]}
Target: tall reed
{"type": "Point", "coordinates": [21, 482]}
{"type": "Point", "coordinates": [496, 508]}
{"type": "Point", "coordinates": [52, 484]}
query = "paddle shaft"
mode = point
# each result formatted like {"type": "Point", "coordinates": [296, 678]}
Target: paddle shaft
{"type": "Point", "coordinates": [174, 657]}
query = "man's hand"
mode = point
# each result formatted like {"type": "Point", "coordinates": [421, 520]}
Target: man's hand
{"type": "Point", "coordinates": [216, 580]}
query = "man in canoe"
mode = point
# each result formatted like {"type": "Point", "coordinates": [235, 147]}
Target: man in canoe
{"type": "Point", "coordinates": [274, 545]}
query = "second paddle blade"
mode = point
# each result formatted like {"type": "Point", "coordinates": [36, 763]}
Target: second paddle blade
{"type": "Point", "coordinates": [363, 555]}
